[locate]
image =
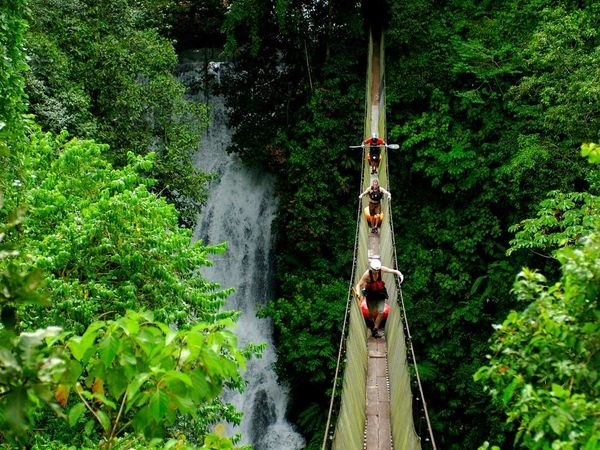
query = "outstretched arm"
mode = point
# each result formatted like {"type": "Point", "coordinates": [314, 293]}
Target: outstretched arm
{"type": "Point", "coordinates": [364, 193]}
{"type": "Point", "coordinates": [385, 192]}
{"type": "Point", "coordinates": [394, 271]}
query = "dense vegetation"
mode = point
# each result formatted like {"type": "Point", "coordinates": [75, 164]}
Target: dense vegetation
{"type": "Point", "coordinates": [103, 70]}
{"type": "Point", "coordinates": [109, 335]}
{"type": "Point", "coordinates": [490, 102]}
{"type": "Point", "coordinates": [501, 98]}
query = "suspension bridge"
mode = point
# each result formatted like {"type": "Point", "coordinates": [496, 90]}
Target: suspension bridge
{"type": "Point", "coordinates": [375, 408]}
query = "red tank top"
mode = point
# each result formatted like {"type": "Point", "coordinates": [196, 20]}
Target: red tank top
{"type": "Point", "coordinates": [374, 285]}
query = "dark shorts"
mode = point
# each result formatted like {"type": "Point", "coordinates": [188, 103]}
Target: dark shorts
{"type": "Point", "coordinates": [376, 300]}
{"type": "Point", "coordinates": [374, 153]}
{"type": "Point", "coordinates": [374, 209]}
{"type": "Point", "coordinates": [376, 305]}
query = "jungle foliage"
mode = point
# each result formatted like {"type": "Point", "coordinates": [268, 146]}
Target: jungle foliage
{"type": "Point", "coordinates": [109, 336]}
{"type": "Point", "coordinates": [490, 102]}
{"type": "Point", "coordinates": [102, 247]}
{"type": "Point", "coordinates": [543, 370]}
{"type": "Point", "coordinates": [103, 70]}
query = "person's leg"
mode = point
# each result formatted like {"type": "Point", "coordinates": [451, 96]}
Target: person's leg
{"type": "Point", "coordinates": [377, 216]}
{"type": "Point", "coordinates": [373, 208]}
{"type": "Point", "coordinates": [380, 309]}
{"type": "Point", "coordinates": [373, 214]}
{"type": "Point", "coordinates": [372, 307]}
{"type": "Point", "coordinates": [379, 304]}
{"type": "Point", "coordinates": [368, 320]}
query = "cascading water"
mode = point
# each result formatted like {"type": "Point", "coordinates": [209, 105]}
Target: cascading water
{"type": "Point", "coordinates": [240, 209]}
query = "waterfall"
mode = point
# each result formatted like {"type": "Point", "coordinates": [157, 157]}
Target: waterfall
{"type": "Point", "coordinates": [240, 210]}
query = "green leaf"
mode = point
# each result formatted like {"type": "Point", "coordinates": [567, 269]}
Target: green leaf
{"type": "Point", "coordinates": [75, 413]}
{"type": "Point", "coordinates": [105, 401]}
{"type": "Point", "coordinates": [509, 391]}
{"type": "Point", "coordinates": [558, 390]}
{"type": "Point", "coordinates": [173, 375]}
{"type": "Point", "coordinates": [103, 419]}
{"type": "Point", "coordinates": [117, 381]}
{"type": "Point", "coordinates": [592, 151]}
{"type": "Point", "coordinates": [134, 387]}
{"type": "Point", "coordinates": [159, 402]}
{"type": "Point", "coordinates": [80, 345]}
{"type": "Point", "coordinates": [108, 348]}
{"type": "Point", "coordinates": [185, 404]}
{"type": "Point", "coordinates": [16, 405]}
{"type": "Point", "coordinates": [557, 424]}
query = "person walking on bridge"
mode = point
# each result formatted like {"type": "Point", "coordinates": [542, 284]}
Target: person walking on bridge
{"type": "Point", "coordinates": [375, 193]}
{"type": "Point", "coordinates": [375, 291]}
{"type": "Point", "coordinates": [374, 155]}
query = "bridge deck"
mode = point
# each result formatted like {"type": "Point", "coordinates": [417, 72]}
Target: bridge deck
{"type": "Point", "coordinates": [378, 435]}
{"type": "Point", "coordinates": [377, 427]}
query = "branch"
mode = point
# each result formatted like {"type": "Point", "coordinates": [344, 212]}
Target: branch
{"type": "Point", "coordinates": [114, 429]}
{"type": "Point", "coordinates": [87, 404]}
{"type": "Point", "coordinates": [542, 255]}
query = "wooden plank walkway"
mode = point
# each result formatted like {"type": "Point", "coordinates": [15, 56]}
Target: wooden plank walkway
{"type": "Point", "coordinates": [378, 434]}
{"type": "Point", "coordinates": [373, 250]}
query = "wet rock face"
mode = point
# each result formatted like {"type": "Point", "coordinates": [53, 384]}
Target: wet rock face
{"type": "Point", "coordinates": [263, 415]}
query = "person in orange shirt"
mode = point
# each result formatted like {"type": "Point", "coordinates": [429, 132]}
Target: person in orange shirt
{"type": "Point", "coordinates": [374, 155]}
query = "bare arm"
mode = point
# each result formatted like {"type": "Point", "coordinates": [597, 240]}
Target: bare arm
{"type": "Point", "coordinates": [360, 283]}
{"type": "Point", "coordinates": [364, 193]}
{"type": "Point", "coordinates": [385, 192]}
{"type": "Point", "coordinates": [394, 271]}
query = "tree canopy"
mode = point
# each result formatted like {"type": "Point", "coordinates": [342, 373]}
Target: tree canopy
{"type": "Point", "coordinates": [109, 336]}
{"type": "Point", "coordinates": [490, 103]}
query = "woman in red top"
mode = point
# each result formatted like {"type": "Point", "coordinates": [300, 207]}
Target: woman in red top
{"type": "Point", "coordinates": [375, 291]}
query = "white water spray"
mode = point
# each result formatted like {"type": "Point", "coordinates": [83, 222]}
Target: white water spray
{"type": "Point", "coordinates": [240, 209]}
